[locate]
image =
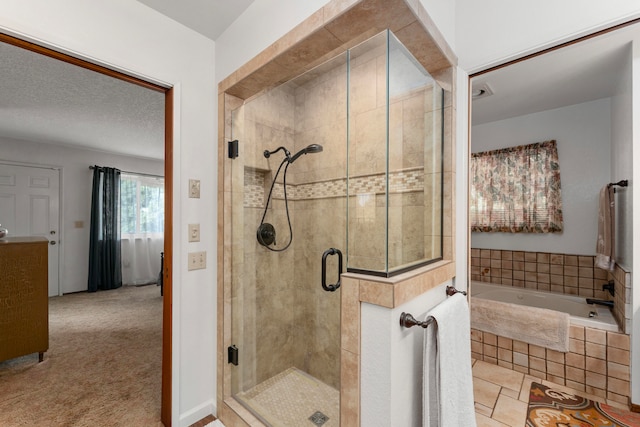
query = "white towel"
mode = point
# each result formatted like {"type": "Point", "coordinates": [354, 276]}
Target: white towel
{"type": "Point", "coordinates": [447, 383]}
{"type": "Point", "coordinates": [605, 246]}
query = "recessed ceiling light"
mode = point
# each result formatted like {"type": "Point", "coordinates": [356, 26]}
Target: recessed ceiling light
{"type": "Point", "coordinates": [481, 91]}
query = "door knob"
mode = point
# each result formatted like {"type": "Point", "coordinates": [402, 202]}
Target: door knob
{"type": "Point", "coordinates": [52, 232]}
{"type": "Point", "coordinates": [53, 242]}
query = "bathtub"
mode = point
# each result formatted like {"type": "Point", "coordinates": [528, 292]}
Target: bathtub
{"type": "Point", "coordinates": [581, 313]}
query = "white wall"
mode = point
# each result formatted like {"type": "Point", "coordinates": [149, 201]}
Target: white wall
{"type": "Point", "coordinates": [76, 195]}
{"type": "Point", "coordinates": [489, 32]}
{"type": "Point", "coordinates": [128, 36]}
{"type": "Point", "coordinates": [392, 360]}
{"type": "Point", "coordinates": [583, 135]}
{"type": "Point", "coordinates": [635, 142]}
{"type": "Point", "coordinates": [622, 162]}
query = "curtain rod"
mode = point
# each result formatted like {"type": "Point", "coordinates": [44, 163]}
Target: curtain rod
{"type": "Point", "coordinates": [133, 173]}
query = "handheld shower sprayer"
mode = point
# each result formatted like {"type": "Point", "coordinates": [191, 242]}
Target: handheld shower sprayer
{"type": "Point", "coordinates": [266, 233]}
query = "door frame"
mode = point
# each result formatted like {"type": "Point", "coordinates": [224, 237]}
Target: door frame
{"type": "Point", "coordinates": [165, 410]}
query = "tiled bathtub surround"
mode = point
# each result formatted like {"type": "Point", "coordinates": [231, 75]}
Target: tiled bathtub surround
{"type": "Point", "coordinates": [569, 274]}
{"type": "Point", "coordinates": [597, 363]}
{"type": "Point", "coordinates": [622, 300]}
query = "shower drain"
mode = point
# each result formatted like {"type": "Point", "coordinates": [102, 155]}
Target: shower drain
{"type": "Point", "coordinates": [318, 418]}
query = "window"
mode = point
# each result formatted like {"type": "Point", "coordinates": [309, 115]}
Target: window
{"type": "Point", "coordinates": [141, 204]}
{"type": "Point", "coordinates": [516, 189]}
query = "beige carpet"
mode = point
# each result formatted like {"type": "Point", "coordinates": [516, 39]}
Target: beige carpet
{"type": "Point", "coordinates": [103, 366]}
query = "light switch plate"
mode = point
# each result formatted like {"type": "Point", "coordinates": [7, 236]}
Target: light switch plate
{"type": "Point", "coordinates": [194, 232]}
{"type": "Point", "coordinates": [197, 260]}
{"type": "Point", "coordinates": [194, 188]}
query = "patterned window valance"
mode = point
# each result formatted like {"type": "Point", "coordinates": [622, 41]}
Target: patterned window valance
{"type": "Point", "coordinates": [516, 189]}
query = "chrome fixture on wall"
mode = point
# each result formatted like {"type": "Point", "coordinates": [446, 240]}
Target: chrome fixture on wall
{"type": "Point", "coordinates": [266, 233]}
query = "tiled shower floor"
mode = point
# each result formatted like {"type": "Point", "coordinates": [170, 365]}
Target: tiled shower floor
{"type": "Point", "coordinates": [290, 398]}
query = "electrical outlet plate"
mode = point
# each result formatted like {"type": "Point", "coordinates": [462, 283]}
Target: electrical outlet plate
{"type": "Point", "coordinates": [194, 232]}
{"type": "Point", "coordinates": [197, 260]}
{"type": "Point", "coordinates": [194, 188]}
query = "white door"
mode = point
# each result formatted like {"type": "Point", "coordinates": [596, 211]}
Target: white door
{"type": "Point", "coordinates": [30, 206]}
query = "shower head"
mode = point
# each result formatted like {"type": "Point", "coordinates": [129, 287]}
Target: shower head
{"type": "Point", "coordinates": [313, 148]}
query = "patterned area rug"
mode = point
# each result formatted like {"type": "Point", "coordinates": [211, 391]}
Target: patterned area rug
{"type": "Point", "coordinates": [556, 408]}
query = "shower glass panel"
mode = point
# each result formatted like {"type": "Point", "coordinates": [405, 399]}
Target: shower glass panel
{"type": "Point", "coordinates": [285, 326]}
{"type": "Point", "coordinates": [394, 160]}
{"type": "Point", "coordinates": [369, 120]}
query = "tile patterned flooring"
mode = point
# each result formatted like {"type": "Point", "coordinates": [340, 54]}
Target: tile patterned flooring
{"type": "Point", "coordinates": [501, 395]}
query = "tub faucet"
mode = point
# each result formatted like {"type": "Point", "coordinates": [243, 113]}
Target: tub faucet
{"type": "Point", "coordinates": [609, 286]}
{"type": "Point", "coordinates": [600, 302]}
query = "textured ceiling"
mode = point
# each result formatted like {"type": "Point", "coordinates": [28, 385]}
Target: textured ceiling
{"type": "Point", "coordinates": [49, 101]}
{"type": "Point", "coordinates": [46, 100]}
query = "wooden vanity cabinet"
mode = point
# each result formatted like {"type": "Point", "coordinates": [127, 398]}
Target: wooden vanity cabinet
{"type": "Point", "coordinates": [24, 303]}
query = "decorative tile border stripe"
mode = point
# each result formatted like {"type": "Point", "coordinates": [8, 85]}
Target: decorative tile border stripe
{"type": "Point", "coordinates": [399, 182]}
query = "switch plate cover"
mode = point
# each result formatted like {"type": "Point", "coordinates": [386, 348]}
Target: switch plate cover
{"type": "Point", "coordinates": [194, 188]}
{"type": "Point", "coordinates": [197, 260]}
{"type": "Point", "coordinates": [194, 232]}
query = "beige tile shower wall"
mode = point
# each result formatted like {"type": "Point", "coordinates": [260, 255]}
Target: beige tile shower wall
{"type": "Point", "coordinates": [263, 281]}
{"type": "Point", "coordinates": [320, 118]}
{"type": "Point", "coordinates": [569, 274]}
{"type": "Point", "coordinates": [597, 362]}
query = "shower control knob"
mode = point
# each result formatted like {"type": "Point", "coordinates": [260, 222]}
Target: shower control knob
{"type": "Point", "coordinates": [266, 234]}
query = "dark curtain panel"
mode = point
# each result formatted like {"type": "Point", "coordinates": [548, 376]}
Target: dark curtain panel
{"type": "Point", "coordinates": [105, 271]}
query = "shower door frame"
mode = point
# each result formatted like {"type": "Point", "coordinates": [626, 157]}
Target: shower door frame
{"type": "Point", "coordinates": [328, 32]}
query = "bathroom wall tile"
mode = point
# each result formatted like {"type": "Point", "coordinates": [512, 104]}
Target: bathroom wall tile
{"type": "Point", "coordinates": [556, 279]}
{"type": "Point", "coordinates": [490, 339]}
{"type": "Point", "coordinates": [575, 360]}
{"type": "Point", "coordinates": [570, 260]}
{"type": "Point", "coordinates": [543, 268]}
{"type": "Point", "coordinates": [618, 340]}
{"type": "Point", "coordinates": [555, 369]}
{"type": "Point", "coordinates": [537, 364]}
{"type": "Point", "coordinates": [350, 315]}
{"type": "Point", "coordinates": [506, 264]}
{"type": "Point", "coordinates": [618, 386]}
{"type": "Point", "coordinates": [617, 398]}
{"type": "Point", "coordinates": [556, 269]}
{"type": "Point", "coordinates": [570, 270]}
{"type": "Point", "coordinates": [505, 343]}
{"type": "Point", "coordinates": [542, 257]}
{"type": "Point", "coordinates": [557, 288]}
{"type": "Point", "coordinates": [575, 374]}
{"type": "Point", "coordinates": [556, 259]}
{"type": "Point", "coordinates": [556, 356]}
{"type": "Point", "coordinates": [521, 359]}
{"type": "Point", "coordinates": [521, 369]}
{"type": "Point", "coordinates": [575, 385]}
{"type": "Point", "coordinates": [477, 348]}
{"type": "Point", "coordinates": [536, 351]}
{"type": "Point", "coordinates": [530, 266]}
{"type": "Point", "coordinates": [531, 257]}
{"type": "Point", "coordinates": [518, 256]}
{"type": "Point", "coordinates": [571, 281]}
{"type": "Point", "coordinates": [505, 355]}
{"type": "Point", "coordinates": [618, 356]}
{"type": "Point", "coordinates": [585, 272]}
{"type": "Point", "coordinates": [595, 365]}
{"type": "Point", "coordinates": [576, 346]}
{"type": "Point", "coordinates": [491, 360]}
{"type": "Point", "coordinates": [597, 336]}
{"type": "Point", "coordinates": [556, 379]}
{"type": "Point", "coordinates": [585, 283]}
{"type": "Point", "coordinates": [520, 347]}
{"type": "Point", "coordinates": [505, 364]}
{"type": "Point", "coordinates": [595, 350]}
{"type": "Point", "coordinates": [496, 254]}
{"type": "Point", "coordinates": [349, 388]}
{"type": "Point", "coordinates": [619, 371]}
{"type": "Point", "coordinates": [476, 335]}
{"type": "Point", "coordinates": [585, 261]}
{"type": "Point", "coordinates": [475, 253]}
{"type": "Point", "coordinates": [490, 351]}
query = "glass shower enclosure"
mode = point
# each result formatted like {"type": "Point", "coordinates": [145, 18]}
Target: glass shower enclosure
{"type": "Point", "coordinates": [344, 161]}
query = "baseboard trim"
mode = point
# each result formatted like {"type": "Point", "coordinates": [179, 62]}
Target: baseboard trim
{"type": "Point", "coordinates": [196, 414]}
{"type": "Point", "coordinates": [635, 408]}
